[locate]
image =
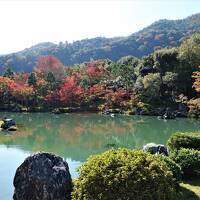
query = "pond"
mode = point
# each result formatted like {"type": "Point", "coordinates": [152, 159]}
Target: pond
{"type": "Point", "coordinates": [77, 136]}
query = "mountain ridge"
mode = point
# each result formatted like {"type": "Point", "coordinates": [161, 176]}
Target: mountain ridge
{"type": "Point", "coordinates": [163, 33]}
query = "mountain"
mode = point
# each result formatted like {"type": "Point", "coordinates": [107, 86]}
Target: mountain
{"type": "Point", "coordinates": [160, 34]}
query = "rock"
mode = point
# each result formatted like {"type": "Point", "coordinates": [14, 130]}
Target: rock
{"type": "Point", "coordinates": [112, 111]}
{"type": "Point", "coordinates": [23, 109]}
{"type": "Point", "coordinates": [12, 128]}
{"type": "Point", "coordinates": [56, 111]}
{"type": "Point", "coordinates": [43, 176]}
{"type": "Point", "coordinates": [169, 114]}
{"type": "Point", "coordinates": [182, 108]}
{"type": "Point", "coordinates": [8, 123]}
{"type": "Point", "coordinates": [156, 149]}
{"type": "Point", "coordinates": [182, 114]}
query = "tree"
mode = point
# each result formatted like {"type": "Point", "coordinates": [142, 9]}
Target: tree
{"type": "Point", "coordinates": [22, 93]}
{"type": "Point", "coordinates": [47, 64]}
{"type": "Point", "coordinates": [165, 60]}
{"type": "Point", "coordinates": [32, 79]}
{"type": "Point", "coordinates": [152, 84]}
{"type": "Point", "coordinates": [50, 78]}
{"type": "Point", "coordinates": [6, 85]}
{"type": "Point", "coordinates": [189, 51]}
{"type": "Point", "coordinates": [41, 87]}
{"type": "Point", "coordinates": [169, 85]}
{"type": "Point", "coordinates": [90, 74]}
{"type": "Point", "coordinates": [196, 76]}
{"type": "Point", "coordinates": [123, 72]}
{"type": "Point", "coordinates": [70, 93]}
{"type": "Point", "coordinates": [116, 99]}
{"type": "Point", "coordinates": [189, 56]}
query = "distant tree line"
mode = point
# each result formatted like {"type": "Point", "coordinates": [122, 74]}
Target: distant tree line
{"type": "Point", "coordinates": [164, 78]}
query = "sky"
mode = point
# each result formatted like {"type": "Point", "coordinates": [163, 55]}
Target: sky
{"type": "Point", "coordinates": [24, 23]}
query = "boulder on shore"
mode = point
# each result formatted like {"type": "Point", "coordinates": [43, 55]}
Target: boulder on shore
{"type": "Point", "coordinates": [43, 176]}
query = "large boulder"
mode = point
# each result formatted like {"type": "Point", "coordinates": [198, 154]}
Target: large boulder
{"type": "Point", "coordinates": [156, 149]}
{"type": "Point", "coordinates": [43, 176]}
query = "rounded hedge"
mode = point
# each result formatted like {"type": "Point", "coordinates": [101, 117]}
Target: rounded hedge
{"type": "Point", "coordinates": [124, 174]}
{"type": "Point", "coordinates": [189, 161]}
{"type": "Point", "coordinates": [174, 167]}
{"type": "Point", "coordinates": [184, 140]}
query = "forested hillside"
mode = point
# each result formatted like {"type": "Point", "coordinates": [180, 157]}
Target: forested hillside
{"type": "Point", "coordinates": [167, 78]}
{"type": "Point", "coordinates": [163, 33]}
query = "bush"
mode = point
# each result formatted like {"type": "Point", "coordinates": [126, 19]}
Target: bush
{"type": "Point", "coordinates": [124, 174]}
{"type": "Point", "coordinates": [184, 140]}
{"type": "Point", "coordinates": [189, 161]}
{"type": "Point", "coordinates": [174, 167]}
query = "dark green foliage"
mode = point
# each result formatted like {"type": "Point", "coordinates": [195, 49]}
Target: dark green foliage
{"type": "Point", "coordinates": [50, 78]}
{"type": "Point", "coordinates": [124, 174]}
{"type": "Point", "coordinates": [161, 34]}
{"type": "Point", "coordinates": [174, 167]}
{"type": "Point", "coordinates": [189, 59]}
{"type": "Point", "coordinates": [151, 88]}
{"type": "Point", "coordinates": [32, 79]}
{"type": "Point", "coordinates": [8, 73]}
{"type": "Point", "coordinates": [189, 161]}
{"type": "Point", "coordinates": [165, 60]}
{"type": "Point", "coordinates": [123, 72]}
{"type": "Point", "coordinates": [184, 140]}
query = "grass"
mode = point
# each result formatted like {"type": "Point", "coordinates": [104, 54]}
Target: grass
{"type": "Point", "coordinates": [190, 190]}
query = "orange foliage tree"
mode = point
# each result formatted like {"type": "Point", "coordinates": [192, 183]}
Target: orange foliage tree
{"type": "Point", "coordinates": [196, 76]}
{"type": "Point", "coordinates": [47, 64]}
{"type": "Point", "coordinates": [5, 87]}
{"type": "Point", "coordinates": [22, 93]}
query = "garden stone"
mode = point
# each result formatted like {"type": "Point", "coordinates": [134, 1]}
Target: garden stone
{"type": "Point", "coordinates": [43, 176]}
{"type": "Point", "coordinates": [156, 149]}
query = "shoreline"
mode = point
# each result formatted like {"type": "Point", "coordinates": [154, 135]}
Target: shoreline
{"type": "Point", "coordinates": [162, 113]}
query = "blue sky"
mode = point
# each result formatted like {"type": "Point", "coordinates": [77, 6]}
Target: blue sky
{"type": "Point", "coordinates": [26, 22]}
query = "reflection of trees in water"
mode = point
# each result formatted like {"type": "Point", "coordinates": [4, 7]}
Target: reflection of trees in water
{"type": "Point", "coordinates": [79, 135]}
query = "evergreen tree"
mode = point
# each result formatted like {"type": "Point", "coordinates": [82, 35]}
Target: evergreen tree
{"type": "Point", "coordinates": [32, 79]}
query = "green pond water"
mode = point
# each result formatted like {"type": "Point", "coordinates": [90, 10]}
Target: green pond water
{"type": "Point", "coordinates": [77, 136]}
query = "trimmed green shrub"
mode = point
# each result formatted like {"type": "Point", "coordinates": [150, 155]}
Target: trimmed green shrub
{"type": "Point", "coordinates": [124, 174]}
{"type": "Point", "coordinates": [184, 140]}
{"type": "Point", "coordinates": [174, 167]}
{"type": "Point", "coordinates": [189, 161]}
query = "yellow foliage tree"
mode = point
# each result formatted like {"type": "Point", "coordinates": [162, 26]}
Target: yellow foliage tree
{"type": "Point", "coordinates": [196, 76]}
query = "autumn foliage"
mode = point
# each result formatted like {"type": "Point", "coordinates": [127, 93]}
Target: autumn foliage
{"type": "Point", "coordinates": [48, 64]}
{"type": "Point", "coordinates": [70, 93]}
{"type": "Point", "coordinates": [196, 76]}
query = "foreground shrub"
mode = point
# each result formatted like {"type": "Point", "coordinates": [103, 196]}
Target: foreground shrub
{"type": "Point", "coordinates": [184, 140]}
{"type": "Point", "coordinates": [124, 174]}
{"type": "Point", "coordinates": [189, 161]}
{"type": "Point", "coordinates": [174, 167]}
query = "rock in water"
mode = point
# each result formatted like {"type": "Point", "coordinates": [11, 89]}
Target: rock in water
{"type": "Point", "coordinates": [43, 176]}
